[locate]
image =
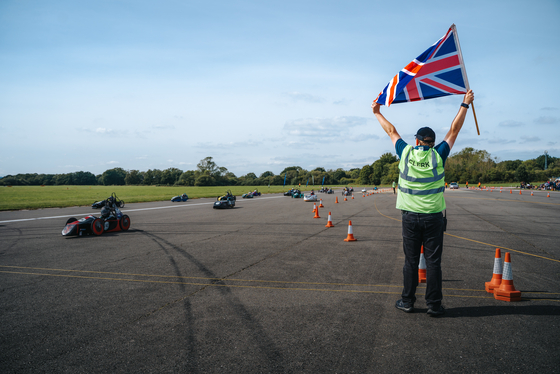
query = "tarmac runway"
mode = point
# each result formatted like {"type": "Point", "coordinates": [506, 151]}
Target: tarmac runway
{"type": "Point", "coordinates": [266, 288]}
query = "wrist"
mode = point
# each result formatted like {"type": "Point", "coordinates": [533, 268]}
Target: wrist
{"type": "Point", "coordinates": [464, 105]}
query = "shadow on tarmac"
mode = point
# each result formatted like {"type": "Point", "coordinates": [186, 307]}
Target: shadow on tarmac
{"type": "Point", "coordinates": [487, 311]}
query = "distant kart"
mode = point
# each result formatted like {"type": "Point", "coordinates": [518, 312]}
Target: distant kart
{"type": "Point", "coordinates": [248, 195]}
{"type": "Point", "coordinates": [330, 191]}
{"type": "Point", "coordinates": [290, 192]}
{"type": "Point", "coordinates": [113, 199]}
{"type": "Point", "coordinates": [310, 198]}
{"type": "Point", "coordinates": [225, 201]}
{"type": "Point", "coordinates": [256, 193]}
{"type": "Point", "coordinates": [297, 194]}
{"type": "Point", "coordinates": [111, 220]}
{"type": "Point", "coordinates": [180, 198]}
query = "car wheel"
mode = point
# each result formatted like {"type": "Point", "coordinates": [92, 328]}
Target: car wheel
{"type": "Point", "coordinates": [125, 222]}
{"type": "Point", "coordinates": [97, 227]}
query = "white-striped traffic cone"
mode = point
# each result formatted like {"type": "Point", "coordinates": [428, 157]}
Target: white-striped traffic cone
{"type": "Point", "coordinates": [507, 291]}
{"type": "Point", "coordinates": [496, 280]}
{"type": "Point", "coordinates": [350, 237]}
{"type": "Point", "coordinates": [422, 267]}
{"type": "Point", "coordinates": [329, 221]}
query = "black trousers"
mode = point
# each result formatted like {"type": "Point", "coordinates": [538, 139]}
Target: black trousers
{"type": "Point", "coordinates": [422, 229]}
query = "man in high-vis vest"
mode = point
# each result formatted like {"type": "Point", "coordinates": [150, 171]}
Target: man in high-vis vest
{"type": "Point", "coordinates": [420, 199]}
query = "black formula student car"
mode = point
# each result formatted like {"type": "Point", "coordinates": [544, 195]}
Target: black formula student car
{"type": "Point", "coordinates": [111, 220]}
{"type": "Point", "coordinates": [225, 201]}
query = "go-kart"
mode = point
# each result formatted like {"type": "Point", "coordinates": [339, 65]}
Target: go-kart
{"type": "Point", "coordinates": [347, 191]}
{"type": "Point", "coordinates": [290, 192]}
{"type": "Point", "coordinates": [256, 193]}
{"type": "Point", "coordinates": [248, 195]}
{"type": "Point", "coordinates": [310, 197]}
{"type": "Point", "coordinates": [179, 198]}
{"type": "Point", "coordinates": [225, 201]}
{"type": "Point", "coordinates": [297, 194]}
{"type": "Point", "coordinates": [112, 198]}
{"type": "Point", "coordinates": [111, 220]}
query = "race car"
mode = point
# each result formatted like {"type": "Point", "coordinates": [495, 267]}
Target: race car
{"type": "Point", "coordinates": [225, 201]}
{"type": "Point", "coordinates": [113, 199]}
{"type": "Point", "coordinates": [453, 186]}
{"type": "Point", "coordinates": [111, 220]}
{"type": "Point", "coordinates": [256, 193]}
{"type": "Point", "coordinates": [297, 194]}
{"type": "Point", "coordinates": [310, 198]}
{"type": "Point", "coordinates": [290, 192]}
{"type": "Point", "coordinates": [179, 198]}
{"type": "Point", "coordinates": [248, 195]}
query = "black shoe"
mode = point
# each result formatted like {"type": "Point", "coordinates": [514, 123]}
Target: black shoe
{"type": "Point", "coordinates": [404, 307]}
{"type": "Point", "coordinates": [434, 312]}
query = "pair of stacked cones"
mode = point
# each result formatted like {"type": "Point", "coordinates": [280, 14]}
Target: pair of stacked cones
{"type": "Point", "coordinates": [501, 284]}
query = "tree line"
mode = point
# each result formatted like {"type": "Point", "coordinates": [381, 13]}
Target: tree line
{"type": "Point", "coordinates": [467, 165]}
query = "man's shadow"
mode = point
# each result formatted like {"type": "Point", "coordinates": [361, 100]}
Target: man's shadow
{"type": "Point", "coordinates": [486, 311]}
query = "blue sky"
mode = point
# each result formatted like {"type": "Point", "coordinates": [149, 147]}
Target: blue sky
{"type": "Point", "coordinates": [260, 85]}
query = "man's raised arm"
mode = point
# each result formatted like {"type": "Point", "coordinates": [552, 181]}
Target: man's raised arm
{"type": "Point", "coordinates": [387, 126]}
{"type": "Point", "coordinates": [457, 123]}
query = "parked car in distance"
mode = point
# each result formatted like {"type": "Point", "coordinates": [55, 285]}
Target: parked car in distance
{"type": "Point", "coordinates": [453, 186]}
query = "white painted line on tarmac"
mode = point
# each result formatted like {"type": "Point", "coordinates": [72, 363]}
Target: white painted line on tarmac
{"type": "Point", "coordinates": [134, 210]}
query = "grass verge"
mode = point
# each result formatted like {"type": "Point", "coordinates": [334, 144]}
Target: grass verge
{"type": "Point", "coordinates": [36, 197]}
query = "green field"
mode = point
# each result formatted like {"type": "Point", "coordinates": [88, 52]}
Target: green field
{"type": "Point", "coordinates": [36, 197]}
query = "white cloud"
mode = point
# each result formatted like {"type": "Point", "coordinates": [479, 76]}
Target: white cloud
{"type": "Point", "coordinates": [528, 139]}
{"type": "Point", "coordinates": [511, 123]}
{"type": "Point", "coordinates": [308, 98]}
{"type": "Point", "coordinates": [547, 120]}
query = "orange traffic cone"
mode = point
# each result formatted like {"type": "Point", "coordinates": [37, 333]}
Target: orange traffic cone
{"type": "Point", "coordinates": [321, 204]}
{"type": "Point", "coordinates": [329, 221]}
{"type": "Point", "coordinates": [316, 213]}
{"type": "Point", "coordinates": [548, 194]}
{"type": "Point", "coordinates": [350, 237]}
{"type": "Point", "coordinates": [336, 201]}
{"type": "Point", "coordinates": [511, 191]}
{"type": "Point", "coordinates": [352, 196]}
{"type": "Point", "coordinates": [345, 199]}
{"type": "Point", "coordinates": [500, 191]}
{"type": "Point", "coordinates": [496, 280]}
{"type": "Point", "coordinates": [314, 207]}
{"type": "Point", "coordinates": [520, 192]}
{"type": "Point", "coordinates": [422, 267]}
{"type": "Point", "coordinates": [532, 193]}
{"type": "Point", "coordinates": [507, 291]}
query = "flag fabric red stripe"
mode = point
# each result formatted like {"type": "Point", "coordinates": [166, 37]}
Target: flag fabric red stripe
{"type": "Point", "coordinates": [437, 72]}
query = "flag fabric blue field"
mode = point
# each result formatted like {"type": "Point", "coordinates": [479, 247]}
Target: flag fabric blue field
{"type": "Point", "coordinates": [323, 182]}
{"type": "Point", "coordinates": [437, 72]}
{"type": "Point", "coordinates": [285, 179]}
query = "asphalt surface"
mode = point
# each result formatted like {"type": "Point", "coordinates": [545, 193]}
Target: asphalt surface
{"type": "Point", "coordinates": [266, 288]}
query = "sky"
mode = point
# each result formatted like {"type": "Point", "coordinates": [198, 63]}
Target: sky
{"type": "Point", "coordinates": [261, 85]}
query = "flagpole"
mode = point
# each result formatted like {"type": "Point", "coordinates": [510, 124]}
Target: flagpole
{"type": "Point", "coordinates": [456, 36]}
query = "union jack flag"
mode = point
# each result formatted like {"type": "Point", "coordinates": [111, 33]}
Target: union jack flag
{"type": "Point", "coordinates": [437, 72]}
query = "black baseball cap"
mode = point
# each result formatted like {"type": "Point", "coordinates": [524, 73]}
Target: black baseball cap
{"type": "Point", "coordinates": [425, 134]}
